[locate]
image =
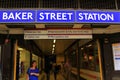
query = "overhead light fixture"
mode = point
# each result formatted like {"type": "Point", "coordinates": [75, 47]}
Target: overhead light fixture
{"type": "Point", "coordinates": [54, 41]}
{"type": "Point", "coordinates": [52, 52]}
{"type": "Point", "coordinates": [89, 45]}
{"type": "Point", "coordinates": [53, 45]}
{"type": "Point", "coordinates": [82, 48]}
{"type": "Point", "coordinates": [53, 48]}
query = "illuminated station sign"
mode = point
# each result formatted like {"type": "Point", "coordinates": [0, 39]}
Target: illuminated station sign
{"type": "Point", "coordinates": [59, 16]}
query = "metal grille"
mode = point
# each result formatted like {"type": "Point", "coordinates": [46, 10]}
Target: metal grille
{"type": "Point", "coordinates": [19, 3]}
{"type": "Point", "coordinates": [82, 4]}
{"type": "Point", "coordinates": [59, 3]}
{"type": "Point", "coordinates": [97, 4]}
{"type": "Point", "coordinates": [118, 3]}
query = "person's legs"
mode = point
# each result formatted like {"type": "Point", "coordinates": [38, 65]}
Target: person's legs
{"type": "Point", "coordinates": [48, 76]}
{"type": "Point", "coordinates": [69, 74]}
{"type": "Point", "coordinates": [55, 76]}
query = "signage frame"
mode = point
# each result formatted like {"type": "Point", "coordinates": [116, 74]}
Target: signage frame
{"type": "Point", "coordinates": [75, 15]}
{"type": "Point", "coordinates": [58, 33]}
{"type": "Point", "coordinates": [100, 11]}
{"type": "Point", "coordinates": [18, 10]}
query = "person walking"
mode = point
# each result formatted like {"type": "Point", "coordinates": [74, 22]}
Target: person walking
{"type": "Point", "coordinates": [33, 72]}
{"type": "Point", "coordinates": [68, 68]}
{"type": "Point", "coordinates": [56, 70]}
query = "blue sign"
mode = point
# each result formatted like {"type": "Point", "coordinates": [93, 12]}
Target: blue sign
{"type": "Point", "coordinates": [17, 16]}
{"type": "Point", "coordinates": [97, 17]}
{"type": "Point", "coordinates": [55, 16]}
{"type": "Point", "coordinates": [58, 16]}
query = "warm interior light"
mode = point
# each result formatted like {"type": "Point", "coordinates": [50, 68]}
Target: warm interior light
{"type": "Point", "coordinates": [20, 49]}
{"type": "Point", "coordinates": [53, 48]}
{"type": "Point", "coordinates": [89, 45]}
{"type": "Point", "coordinates": [54, 41]}
{"type": "Point", "coordinates": [53, 45]}
{"type": "Point", "coordinates": [52, 52]}
{"type": "Point", "coordinates": [90, 57]}
{"type": "Point", "coordinates": [82, 48]}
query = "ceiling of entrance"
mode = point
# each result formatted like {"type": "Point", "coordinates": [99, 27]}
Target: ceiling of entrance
{"type": "Point", "coordinates": [47, 45]}
{"type": "Point", "coordinates": [97, 28]}
{"type": "Point", "coordinates": [61, 45]}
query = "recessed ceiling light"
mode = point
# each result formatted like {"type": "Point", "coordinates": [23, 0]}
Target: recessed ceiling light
{"type": "Point", "coordinates": [52, 52]}
{"type": "Point", "coordinates": [53, 49]}
{"type": "Point", "coordinates": [53, 45]}
{"type": "Point", "coordinates": [54, 41]}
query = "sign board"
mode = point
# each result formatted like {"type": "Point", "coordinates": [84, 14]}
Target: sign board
{"type": "Point", "coordinates": [59, 31]}
{"type": "Point", "coordinates": [17, 16]}
{"type": "Point", "coordinates": [55, 16]}
{"type": "Point", "coordinates": [116, 55]}
{"type": "Point", "coordinates": [59, 16]}
{"type": "Point", "coordinates": [58, 34]}
{"type": "Point", "coordinates": [27, 36]}
{"type": "Point", "coordinates": [97, 17]}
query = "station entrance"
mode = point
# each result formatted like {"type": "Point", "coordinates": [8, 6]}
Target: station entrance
{"type": "Point", "coordinates": [82, 37]}
{"type": "Point", "coordinates": [59, 45]}
{"type": "Point", "coordinates": [88, 55]}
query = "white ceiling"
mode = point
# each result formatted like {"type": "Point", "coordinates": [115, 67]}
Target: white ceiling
{"type": "Point", "coordinates": [46, 45]}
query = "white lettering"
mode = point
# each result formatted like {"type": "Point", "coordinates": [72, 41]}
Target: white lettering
{"type": "Point", "coordinates": [52, 16]}
{"type": "Point", "coordinates": [94, 14]}
{"type": "Point", "coordinates": [70, 15]}
{"type": "Point", "coordinates": [64, 16]}
{"type": "Point", "coordinates": [47, 15]}
{"type": "Point", "coordinates": [110, 17]}
{"type": "Point", "coordinates": [11, 16]}
{"type": "Point", "coordinates": [4, 16]}
{"type": "Point", "coordinates": [98, 17]}
{"type": "Point", "coordinates": [58, 16]}
{"type": "Point", "coordinates": [24, 15]}
{"type": "Point", "coordinates": [41, 16]}
{"type": "Point", "coordinates": [103, 17]}
{"type": "Point", "coordinates": [90, 17]}
{"type": "Point", "coordinates": [29, 16]}
{"type": "Point", "coordinates": [86, 15]}
{"type": "Point", "coordinates": [17, 15]}
{"type": "Point", "coordinates": [80, 16]}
